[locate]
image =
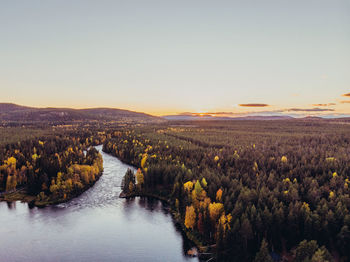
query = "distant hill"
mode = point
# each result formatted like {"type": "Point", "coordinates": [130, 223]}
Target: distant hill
{"type": "Point", "coordinates": [189, 117]}
{"type": "Point", "coordinates": [16, 113]}
{"type": "Point", "coordinates": [113, 113]}
{"type": "Point", "coordinates": [208, 117]}
{"type": "Point", "coordinates": [264, 118]}
{"type": "Point", "coordinates": [193, 117]}
{"type": "Point", "coordinates": [7, 107]}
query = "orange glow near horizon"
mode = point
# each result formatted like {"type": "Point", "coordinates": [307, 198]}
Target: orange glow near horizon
{"type": "Point", "coordinates": [236, 111]}
{"type": "Point", "coordinates": [337, 107]}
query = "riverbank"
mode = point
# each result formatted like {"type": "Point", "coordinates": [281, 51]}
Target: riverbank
{"type": "Point", "coordinates": [95, 226]}
{"type": "Point", "coordinates": [188, 234]}
{"type": "Point", "coordinates": [24, 197]}
{"type": "Point", "coordinates": [199, 245]}
{"type": "Point", "coordinates": [17, 196]}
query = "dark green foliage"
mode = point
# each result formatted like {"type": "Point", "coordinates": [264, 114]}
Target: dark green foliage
{"type": "Point", "coordinates": [9, 135]}
{"type": "Point", "coordinates": [322, 255]}
{"type": "Point", "coordinates": [263, 255]}
{"type": "Point", "coordinates": [308, 251]}
{"type": "Point", "coordinates": [127, 179]}
{"type": "Point", "coordinates": [281, 180]}
{"type": "Point", "coordinates": [305, 250]}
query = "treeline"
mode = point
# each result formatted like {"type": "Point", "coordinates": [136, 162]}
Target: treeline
{"type": "Point", "coordinates": [281, 189]}
{"type": "Point", "coordinates": [53, 168]}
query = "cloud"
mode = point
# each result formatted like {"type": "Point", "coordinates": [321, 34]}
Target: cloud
{"type": "Point", "coordinates": [220, 113]}
{"type": "Point", "coordinates": [254, 105]}
{"type": "Point", "coordinates": [329, 104]}
{"type": "Point", "coordinates": [295, 112]}
{"type": "Point", "coordinates": [309, 110]}
{"type": "Point", "coordinates": [207, 113]}
{"type": "Point", "coordinates": [186, 114]}
{"type": "Point", "coordinates": [213, 114]}
{"type": "Point", "coordinates": [345, 102]}
{"type": "Point", "coordinates": [348, 95]}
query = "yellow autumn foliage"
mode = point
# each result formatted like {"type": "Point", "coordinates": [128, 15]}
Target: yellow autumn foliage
{"type": "Point", "coordinates": [11, 161]}
{"type": "Point", "coordinates": [235, 155]}
{"type": "Point", "coordinates": [205, 203]}
{"type": "Point", "coordinates": [215, 211]}
{"type": "Point", "coordinates": [286, 180]}
{"type": "Point", "coordinates": [255, 166]}
{"type": "Point", "coordinates": [188, 186]}
{"type": "Point", "coordinates": [204, 182]}
{"type": "Point", "coordinates": [34, 156]}
{"type": "Point", "coordinates": [198, 188]}
{"type": "Point", "coordinates": [190, 217]}
{"type": "Point", "coordinates": [224, 222]}
{"type": "Point", "coordinates": [219, 195]}
{"type": "Point", "coordinates": [143, 160]}
{"type": "Point", "coordinates": [139, 177]}
{"type": "Point", "coordinates": [306, 206]}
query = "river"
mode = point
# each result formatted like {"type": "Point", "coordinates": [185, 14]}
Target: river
{"type": "Point", "coordinates": [96, 226]}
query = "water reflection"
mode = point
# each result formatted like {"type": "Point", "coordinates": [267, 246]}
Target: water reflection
{"type": "Point", "coordinates": [96, 226]}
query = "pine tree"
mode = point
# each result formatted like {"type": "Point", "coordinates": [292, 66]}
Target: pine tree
{"type": "Point", "coordinates": [263, 254]}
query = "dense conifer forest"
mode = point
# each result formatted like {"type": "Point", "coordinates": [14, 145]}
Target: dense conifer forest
{"type": "Point", "coordinates": [250, 190]}
{"type": "Point", "coordinates": [242, 190]}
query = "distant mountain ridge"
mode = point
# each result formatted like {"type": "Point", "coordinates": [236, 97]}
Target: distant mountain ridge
{"type": "Point", "coordinates": [10, 112]}
{"type": "Point", "coordinates": [209, 117]}
{"type": "Point", "coordinates": [10, 106]}
{"type": "Point", "coordinates": [190, 117]}
{"type": "Point", "coordinates": [17, 113]}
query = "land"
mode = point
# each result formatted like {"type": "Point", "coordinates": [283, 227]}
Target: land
{"type": "Point", "coordinates": [240, 188]}
{"type": "Point", "coordinates": [235, 185]}
{"type": "Point", "coordinates": [12, 114]}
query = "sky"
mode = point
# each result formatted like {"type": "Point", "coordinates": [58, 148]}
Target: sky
{"type": "Point", "coordinates": [169, 57]}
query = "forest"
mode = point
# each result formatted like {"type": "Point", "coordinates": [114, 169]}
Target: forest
{"type": "Point", "coordinates": [250, 190]}
{"type": "Point", "coordinates": [49, 169]}
{"type": "Point", "coordinates": [243, 190]}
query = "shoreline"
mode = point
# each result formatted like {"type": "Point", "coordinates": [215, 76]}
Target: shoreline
{"type": "Point", "coordinates": [32, 200]}
{"type": "Point", "coordinates": [177, 219]}
{"type": "Point", "coordinates": [175, 215]}
{"type": "Point", "coordinates": [22, 196]}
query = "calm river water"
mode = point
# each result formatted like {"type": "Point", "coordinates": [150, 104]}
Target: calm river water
{"type": "Point", "coordinates": [96, 226]}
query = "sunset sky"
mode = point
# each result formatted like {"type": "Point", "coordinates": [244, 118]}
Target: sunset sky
{"type": "Point", "coordinates": [170, 57]}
